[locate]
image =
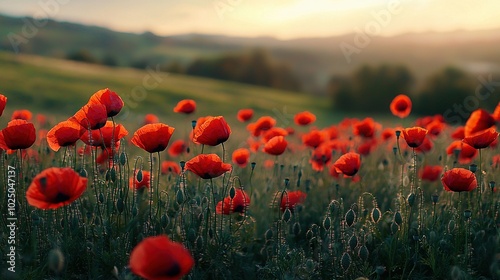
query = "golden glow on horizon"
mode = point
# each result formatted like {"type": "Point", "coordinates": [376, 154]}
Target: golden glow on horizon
{"type": "Point", "coordinates": [279, 18]}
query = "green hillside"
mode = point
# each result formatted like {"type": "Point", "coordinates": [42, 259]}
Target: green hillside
{"type": "Point", "coordinates": [61, 87]}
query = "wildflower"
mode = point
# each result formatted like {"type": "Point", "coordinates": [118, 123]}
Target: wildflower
{"type": "Point", "coordinates": [430, 172]}
{"type": "Point", "coordinates": [91, 116]}
{"type": "Point", "coordinates": [106, 136]}
{"type": "Point", "coordinates": [348, 164]}
{"type": "Point", "coordinates": [244, 115]}
{"type": "Point", "coordinates": [262, 124]}
{"type": "Point", "coordinates": [111, 100]}
{"type": "Point", "coordinates": [241, 157]}
{"type": "Point", "coordinates": [207, 166]}
{"type": "Point", "coordinates": [150, 118]}
{"type": "Point", "coordinates": [291, 199]}
{"type": "Point", "coordinates": [177, 148]}
{"type": "Point", "coordinates": [459, 180]}
{"type": "Point", "coordinates": [153, 137]}
{"type": "Point", "coordinates": [365, 128]}
{"type": "Point", "coordinates": [276, 146]}
{"type": "Point", "coordinates": [304, 118]}
{"type": "Point", "coordinates": [22, 114]}
{"type": "Point", "coordinates": [479, 120]}
{"type": "Point", "coordinates": [238, 204]}
{"type": "Point", "coordinates": [65, 133]}
{"type": "Point", "coordinates": [170, 167]}
{"type": "Point", "coordinates": [159, 258]}
{"type": "Point", "coordinates": [414, 136]}
{"type": "Point", "coordinates": [466, 153]}
{"type": "Point", "coordinates": [212, 131]}
{"type": "Point", "coordinates": [314, 138]}
{"type": "Point", "coordinates": [55, 187]}
{"type": "Point", "coordinates": [321, 156]}
{"type": "Point", "coordinates": [19, 134]}
{"type": "Point", "coordinates": [186, 106]}
{"type": "Point", "coordinates": [3, 103]}
{"type": "Point", "coordinates": [481, 139]}
{"type": "Point", "coordinates": [401, 106]}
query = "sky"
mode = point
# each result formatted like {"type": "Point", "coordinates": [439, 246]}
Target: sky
{"type": "Point", "coordinates": [283, 19]}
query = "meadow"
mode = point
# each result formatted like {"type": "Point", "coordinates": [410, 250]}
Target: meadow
{"type": "Point", "coordinates": [288, 190]}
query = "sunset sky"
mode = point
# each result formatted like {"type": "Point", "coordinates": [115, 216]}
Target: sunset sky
{"type": "Point", "coordinates": [278, 18]}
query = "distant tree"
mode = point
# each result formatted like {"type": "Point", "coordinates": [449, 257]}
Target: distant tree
{"type": "Point", "coordinates": [82, 56]}
{"type": "Point", "coordinates": [370, 89]}
{"type": "Point", "coordinates": [109, 60]}
{"type": "Point", "coordinates": [446, 92]}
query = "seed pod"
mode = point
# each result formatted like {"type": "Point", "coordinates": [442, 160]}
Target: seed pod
{"type": "Point", "coordinates": [56, 261]}
{"type": "Point", "coordinates": [296, 228]}
{"type": "Point", "coordinates": [287, 215]}
{"type": "Point", "coordinates": [327, 222]}
{"type": "Point", "coordinates": [397, 218]}
{"type": "Point", "coordinates": [363, 253]}
{"type": "Point", "coordinates": [353, 242]}
{"type": "Point", "coordinates": [345, 261]}
{"type": "Point", "coordinates": [123, 158]}
{"type": "Point", "coordinates": [119, 205]}
{"type": "Point", "coordinates": [350, 216]}
{"type": "Point", "coordinates": [376, 215]}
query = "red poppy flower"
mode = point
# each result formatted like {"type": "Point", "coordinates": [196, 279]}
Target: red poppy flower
{"type": "Point", "coordinates": [64, 134]}
{"type": "Point", "coordinates": [481, 139]}
{"type": "Point", "coordinates": [348, 164]}
{"type": "Point", "coordinates": [304, 118]}
{"type": "Point", "coordinates": [107, 155]}
{"type": "Point", "coordinates": [177, 148]}
{"type": "Point", "coordinates": [314, 138]}
{"type": "Point", "coordinates": [495, 115]}
{"type": "Point", "coordinates": [105, 136]}
{"type": "Point", "coordinates": [401, 106]}
{"type": "Point", "coordinates": [365, 128]}
{"type": "Point", "coordinates": [170, 167]}
{"type": "Point", "coordinates": [458, 133]}
{"type": "Point", "coordinates": [186, 106]}
{"type": "Point", "coordinates": [3, 102]}
{"type": "Point", "coordinates": [430, 172]}
{"type": "Point", "coordinates": [159, 258]}
{"type": "Point", "coordinates": [275, 131]}
{"type": "Point", "coordinates": [144, 183]}
{"type": "Point", "coordinates": [241, 157]}
{"type": "Point", "coordinates": [253, 144]}
{"type": "Point", "coordinates": [276, 146]}
{"type": "Point", "coordinates": [291, 199]}
{"type": "Point", "coordinates": [262, 124]}
{"type": "Point", "coordinates": [55, 187]}
{"type": "Point", "coordinates": [22, 114]}
{"type": "Point", "coordinates": [466, 152]}
{"type": "Point", "coordinates": [414, 136]}
{"type": "Point", "coordinates": [212, 131]}
{"type": "Point", "coordinates": [108, 98]}
{"type": "Point", "coordinates": [91, 116]}
{"type": "Point", "coordinates": [340, 145]}
{"type": "Point", "coordinates": [366, 147]}
{"type": "Point", "coordinates": [150, 118]}
{"type": "Point", "coordinates": [388, 133]}
{"type": "Point", "coordinates": [435, 127]}
{"type": "Point", "coordinates": [244, 115]}
{"type": "Point", "coordinates": [332, 132]}
{"type": "Point", "coordinates": [41, 119]}
{"type": "Point", "coordinates": [238, 204]}
{"type": "Point", "coordinates": [207, 166]}
{"type": "Point", "coordinates": [495, 160]}
{"type": "Point", "coordinates": [153, 137]}
{"type": "Point", "coordinates": [459, 180]}
{"type": "Point", "coordinates": [321, 156]}
{"type": "Point", "coordinates": [19, 134]}
{"type": "Point", "coordinates": [426, 146]}
{"type": "Point", "coordinates": [479, 120]}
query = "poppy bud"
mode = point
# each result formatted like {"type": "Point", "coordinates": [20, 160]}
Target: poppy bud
{"type": "Point", "coordinates": [411, 199]}
{"type": "Point", "coordinates": [345, 261]}
{"type": "Point", "coordinates": [123, 158]}
{"type": "Point", "coordinates": [394, 228]}
{"type": "Point", "coordinates": [119, 205]}
{"type": "Point", "coordinates": [375, 215]}
{"type": "Point", "coordinates": [353, 242]}
{"type": "Point", "coordinates": [327, 223]}
{"type": "Point", "coordinates": [138, 176]}
{"type": "Point", "coordinates": [363, 253]}
{"type": "Point", "coordinates": [253, 165]}
{"type": "Point", "coordinates": [232, 192]}
{"type": "Point", "coordinates": [179, 196]}
{"type": "Point", "coordinates": [398, 219]}
{"type": "Point", "coordinates": [193, 123]}
{"type": "Point", "coordinates": [467, 214]}
{"type": "Point", "coordinates": [473, 168]}
{"type": "Point", "coordinates": [296, 228]}
{"type": "Point", "coordinates": [287, 215]}
{"type": "Point", "coordinates": [350, 216]}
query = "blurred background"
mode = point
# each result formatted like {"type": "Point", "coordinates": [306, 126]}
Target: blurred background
{"type": "Point", "coordinates": [331, 57]}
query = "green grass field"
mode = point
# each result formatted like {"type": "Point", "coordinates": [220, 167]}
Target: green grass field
{"type": "Point", "coordinates": [60, 87]}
